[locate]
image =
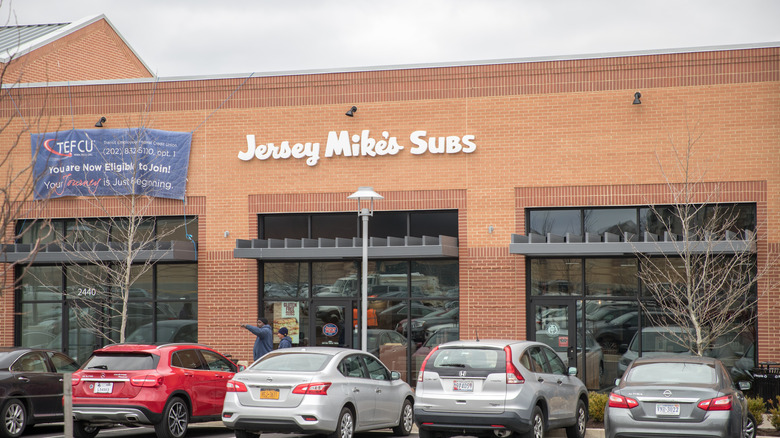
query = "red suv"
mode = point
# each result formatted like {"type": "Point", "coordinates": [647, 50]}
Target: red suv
{"type": "Point", "coordinates": [168, 386]}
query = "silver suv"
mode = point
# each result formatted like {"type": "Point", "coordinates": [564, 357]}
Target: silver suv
{"type": "Point", "coordinates": [500, 387]}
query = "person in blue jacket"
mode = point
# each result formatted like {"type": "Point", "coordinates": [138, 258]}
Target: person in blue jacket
{"type": "Point", "coordinates": [284, 340]}
{"type": "Point", "coordinates": [264, 342]}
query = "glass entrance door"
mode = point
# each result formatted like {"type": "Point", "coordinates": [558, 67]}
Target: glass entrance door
{"type": "Point", "coordinates": [333, 324]}
{"type": "Point", "coordinates": [557, 323]}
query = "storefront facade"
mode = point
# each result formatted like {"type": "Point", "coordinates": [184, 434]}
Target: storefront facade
{"type": "Point", "coordinates": [473, 162]}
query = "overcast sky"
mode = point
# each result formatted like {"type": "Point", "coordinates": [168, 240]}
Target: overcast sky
{"type": "Point", "coordinates": [210, 37]}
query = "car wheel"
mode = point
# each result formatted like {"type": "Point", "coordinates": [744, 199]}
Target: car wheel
{"type": "Point", "coordinates": [245, 434]}
{"type": "Point", "coordinates": [537, 424]}
{"type": "Point", "coordinates": [14, 417]}
{"type": "Point", "coordinates": [609, 345]}
{"type": "Point", "coordinates": [174, 421]}
{"type": "Point", "coordinates": [749, 431]}
{"type": "Point", "coordinates": [406, 421]}
{"type": "Point", "coordinates": [84, 430]}
{"type": "Point", "coordinates": [578, 429]}
{"type": "Point", "coordinates": [345, 428]}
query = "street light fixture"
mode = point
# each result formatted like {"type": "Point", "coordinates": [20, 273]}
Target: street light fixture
{"type": "Point", "coordinates": [365, 197]}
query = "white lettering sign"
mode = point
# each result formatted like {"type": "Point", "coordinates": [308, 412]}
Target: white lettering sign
{"type": "Point", "coordinates": [358, 145]}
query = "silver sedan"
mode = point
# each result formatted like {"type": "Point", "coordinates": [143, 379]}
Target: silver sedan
{"type": "Point", "coordinates": [678, 396]}
{"type": "Point", "coordinates": [336, 391]}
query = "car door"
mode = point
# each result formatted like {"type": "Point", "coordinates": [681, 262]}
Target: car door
{"type": "Point", "coordinates": [564, 403]}
{"type": "Point", "coordinates": [360, 388]}
{"type": "Point", "coordinates": [549, 382]}
{"type": "Point", "coordinates": [220, 370]}
{"type": "Point", "coordinates": [195, 379]}
{"type": "Point", "coordinates": [42, 385]}
{"type": "Point", "coordinates": [387, 401]}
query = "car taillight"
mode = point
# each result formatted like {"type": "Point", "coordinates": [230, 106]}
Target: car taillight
{"type": "Point", "coordinates": [236, 386]}
{"type": "Point", "coordinates": [512, 373]}
{"type": "Point", "coordinates": [147, 381]}
{"type": "Point", "coordinates": [716, 404]}
{"type": "Point", "coordinates": [422, 368]}
{"type": "Point", "coordinates": [618, 401]}
{"type": "Point", "coordinates": [319, 388]}
{"type": "Point", "coordinates": [75, 379]}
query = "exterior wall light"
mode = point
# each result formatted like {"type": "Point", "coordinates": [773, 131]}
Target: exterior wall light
{"type": "Point", "coordinates": [100, 122]}
{"type": "Point", "coordinates": [351, 111]}
{"type": "Point", "coordinates": [637, 95]}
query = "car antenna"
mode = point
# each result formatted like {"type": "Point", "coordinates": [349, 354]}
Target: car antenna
{"type": "Point", "coordinates": [476, 334]}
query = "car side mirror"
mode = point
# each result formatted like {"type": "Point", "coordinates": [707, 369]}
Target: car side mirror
{"type": "Point", "coordinates": [744, 385]}
{"type": "Point", "coordinates": [617, 382]}
{"type": "Point", "coordinates": [395, 375]}
{"type": "Point", "coordinates": [241, 368]}
{"type": "Point", "coordinates": [572, 371]}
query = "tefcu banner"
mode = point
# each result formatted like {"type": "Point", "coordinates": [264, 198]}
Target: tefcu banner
{"type": "Point", "coordinates": [111, 162]}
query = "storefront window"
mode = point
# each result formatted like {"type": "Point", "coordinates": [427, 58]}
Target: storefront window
{"type": "Point", "coordinates": [433, 223]}
{"type": "Point", "coordinates": [294, 316]}
{"type": "Point", "coordinates": [436, 278]}
{"type": "Point", "coordinates": [177, 282]}
{"type": "Point", "coordinates": [335, 279]}
{"type": "Point", "coordinates": [280, 226]}
{"type": "Point", "coordinates": [286, 280]}
{"type": "Point", "coordinates": [556, 277]}
{"type": "Point", "coordinates": [335, 225]}
{"type": "Point", "coordinates": [553, 221]}
{"type": "Point", "coordinates": [610, 220]}
{"type": "Point", "coordinates": [611, 277]}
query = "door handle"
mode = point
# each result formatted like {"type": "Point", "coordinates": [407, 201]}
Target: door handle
{"type": "Point", "coordinates": [355, 389]}
{"type": "Point", "coordinates": [187, 374]}
{"type": "Point", "coordinates": [560, 382]}
{"type": "Point", "coordinates": [540, 380]}
{"type": "Point", "coordinates": [378, 391]}
{"type": "Point", "coordinates": [23, 379]}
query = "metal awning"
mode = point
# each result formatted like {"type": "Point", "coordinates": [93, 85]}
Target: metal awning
{"type": "Point", "coordinates": [347, 248]}
{"type": "Point", "coordinates": [173, 251]}
{"type": "Point", "coordinates": [609, 244]}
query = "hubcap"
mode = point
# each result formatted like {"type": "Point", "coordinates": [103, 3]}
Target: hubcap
{"type": "Point", "coordinates": [177, 419]}
{"type": "Point", "coordinates": [538, 427]}
{"type": "Point", "coordinates": [346, 426]}
{"type": "Point", "coordinates": [581, 422]}
{"type": "Point", "coordinates": [750, 429]}
{"type": "Point", "coordinates": [14, 419]}
{"type": "Point", "coordinates": [408, 417]}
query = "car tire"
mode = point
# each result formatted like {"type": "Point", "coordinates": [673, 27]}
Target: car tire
{"type": "Point", "coordinates": [345, 428]}
{"type": "Point", "coordinates": [749, 431]}
{"type": "Point", "coordinates": [406, 422]}
{"type": "Point", "coordinates": [14, 418]}
{"type": "Point", "coordinates": [84, 430]}
{"type": "Point", "coordinates": [537, 424]}
{"type": "Point", "coordinates": [245, 434]}
{"type": "Point", "coordinates": [577, 430]}
{"type": "Point", "coordinates": [175, 419]}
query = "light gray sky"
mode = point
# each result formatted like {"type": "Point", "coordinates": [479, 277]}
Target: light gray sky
{"type": "Point", "coordinates": [210, 37]}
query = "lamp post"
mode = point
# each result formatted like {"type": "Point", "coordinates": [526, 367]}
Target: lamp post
{"type": "Point", "coordinates": [365, 197]}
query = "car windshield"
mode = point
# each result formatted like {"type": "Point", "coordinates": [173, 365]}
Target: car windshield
{"type": "Point", "coordinates": [672, 372]}
{"type": "Point", "coordinates": [292, 362]}
{"type": "Point", "coordinates": [121, 361]}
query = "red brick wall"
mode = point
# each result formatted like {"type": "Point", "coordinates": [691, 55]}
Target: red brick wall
{"type": "Point", "coordinates": [547, 133]}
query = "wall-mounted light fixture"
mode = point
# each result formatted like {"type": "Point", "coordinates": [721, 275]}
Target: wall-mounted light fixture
{"type": "Point", "coordinates": [100, 122]}
{"type": "Point", "coordinates": [226, 234]}
{"type": "Point", "coordinates": [490, 229]}
{"type": "Point", "coordinates": [637, 95]}
{"type": "Point", "coordinates": [351, 111]}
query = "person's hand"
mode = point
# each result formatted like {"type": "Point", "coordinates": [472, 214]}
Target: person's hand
{"type": "Point", "coordinates": [243, 325]}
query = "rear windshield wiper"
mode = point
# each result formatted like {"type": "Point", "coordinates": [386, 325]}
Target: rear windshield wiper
{"type": "Point", "coordinates": [458, 365]}
{"type": "Point", "coordinates": [98, 367]}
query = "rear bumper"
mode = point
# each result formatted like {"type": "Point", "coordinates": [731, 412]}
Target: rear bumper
{"type": "Point", "coordinates": [717, 424]}
{"type": "Point", "coordinates": [115, 414]}
{"type": "Point", "coordinates": [471, 423]}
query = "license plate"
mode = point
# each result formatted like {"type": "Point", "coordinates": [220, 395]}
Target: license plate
{"type": "Point", "coordinates": [461, 385]}
{"type": "Point", "coordinates": [666, 409]}
{"type": "Point", "coordinates": [269, 394]}
{"type": "Point", "coordinates": [104, 387]}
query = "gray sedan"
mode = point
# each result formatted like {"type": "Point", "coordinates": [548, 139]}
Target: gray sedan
{"type": "Point", "coordinates": [335, 391]}
{"type": "Point", "coordinates": [678, 396]}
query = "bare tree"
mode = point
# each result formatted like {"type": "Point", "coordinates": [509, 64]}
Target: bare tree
{"type": "Point", "coordinates": [705, 281]}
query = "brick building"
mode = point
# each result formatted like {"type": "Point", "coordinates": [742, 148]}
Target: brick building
{"type": "Point", "coordinates": [481, 166]}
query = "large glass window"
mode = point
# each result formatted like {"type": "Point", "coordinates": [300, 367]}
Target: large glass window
{"type": "Point", "coordinates": [556, 276]}
{"type": "Point", "coordinates": [555, 221]}
{"type": "Point", "coordinates": [610, 220]}
{"type": "Point", "coordinates": [286, 280]}
{"type": "Point", "coordinates": [611, 277]}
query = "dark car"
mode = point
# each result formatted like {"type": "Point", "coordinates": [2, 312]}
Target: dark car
{"type": "Point", "coordinates": [168, 386]}
{"type": "Point", "coordinates": [420, 325]}
{"type": "Point", "coordinates": [31, 388]}
{"type": "Point", "coordinates": [683, 396]}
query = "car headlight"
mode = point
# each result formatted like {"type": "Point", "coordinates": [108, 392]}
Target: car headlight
{"type": "Point", "coordinates": [417, 324]}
